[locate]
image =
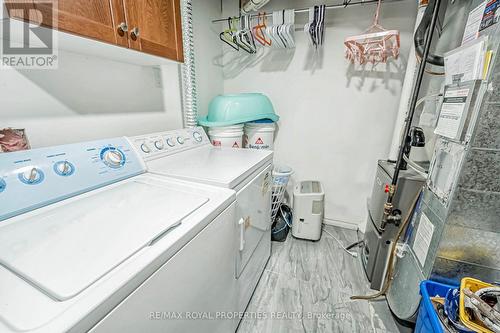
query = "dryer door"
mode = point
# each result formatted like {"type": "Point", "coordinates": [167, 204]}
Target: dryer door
{"type": "Point", "coordinates": [253, 216]}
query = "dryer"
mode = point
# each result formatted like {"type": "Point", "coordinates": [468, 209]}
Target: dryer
{"type": "Point", "coordinates": [89, 241]}
{"type": "Point", "coordinates": [188, 155]}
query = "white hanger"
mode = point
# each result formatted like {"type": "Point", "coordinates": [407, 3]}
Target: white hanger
{"type": "Point", "coordinates": [291, 25]}
{"type": "Point", "coordinates": [321, 23]}
{"type": "Point", "coordinates": [282, 29]}
{"type": "Point", "coordinates": [288, 28]}
{"type": "Point", "coordinates": [307, 27]}
{"type": "Point", "coordinates": [278, 40]}
{"type": "Point", "coordinates": [244, 37]}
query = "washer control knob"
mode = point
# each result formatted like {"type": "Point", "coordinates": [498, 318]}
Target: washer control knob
{"type": "Point", "coordinates": [64, 168]}
{"type": "Point", "coordinates": [170, 142]}
{"type": "Point", "coordinates": [180, 140]}
{"type": "Point", "coordinates": [3, 185]}
{"type": "Point", "coordinates": [113, 157]}
{"type": "Point", "coordinates": [145, 148]}
{"type": "Point", "coordinates": [159, 144]}
{"type": "Point", "coordinates": [31, 176]}
{"type": "Point", "coordinates": [197, 136]}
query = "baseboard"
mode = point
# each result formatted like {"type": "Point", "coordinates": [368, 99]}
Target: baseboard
{"type": "Point", "coordinates": [341, 224]}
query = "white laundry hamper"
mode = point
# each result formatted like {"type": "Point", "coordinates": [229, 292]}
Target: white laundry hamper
{"type": "Point", "coordinates": [281, 176]}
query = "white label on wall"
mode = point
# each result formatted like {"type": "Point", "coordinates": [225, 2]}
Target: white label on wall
{"type": "Point", "coordinates": [452, 110]}
{"type": "Point", "coordinates": [423, 239]}
{"type": "Point", "coordinates": [474, 23]}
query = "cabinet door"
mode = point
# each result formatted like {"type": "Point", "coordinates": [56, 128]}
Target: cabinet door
{"type": "Point", "coordinates": [159, 27]}
{"type": "Point", "coordinates": [97, 19]}
{"type": "Point", "coordinates": [22, 10]}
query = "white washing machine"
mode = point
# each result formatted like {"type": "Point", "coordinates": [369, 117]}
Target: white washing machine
{"type": "Point", "coordinates": [187, 154]}
{"type": "Point", "coordinates": [89, 241]}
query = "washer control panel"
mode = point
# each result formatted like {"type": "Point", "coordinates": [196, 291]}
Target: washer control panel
{"type": "Point", "coordinates": [34, 178]}
{"type": "Point", "coordinates": [151, 146]}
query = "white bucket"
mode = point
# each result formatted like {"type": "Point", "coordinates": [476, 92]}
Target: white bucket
{"type": "Point", "coordinates": [259, 136]}
{"type": "Point", "coordinates": [227, 136]}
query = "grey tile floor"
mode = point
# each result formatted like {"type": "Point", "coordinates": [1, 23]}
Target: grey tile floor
{"type": "Point", "coordinates": [306, 288]}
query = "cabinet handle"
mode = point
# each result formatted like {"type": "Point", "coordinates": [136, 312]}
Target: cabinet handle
{"type": "Point", "coordinates": [122, 28]}
{"type": "Point", "coordinates": [134, 33]}
{"type": "Point", "coordinates": [241, 224]}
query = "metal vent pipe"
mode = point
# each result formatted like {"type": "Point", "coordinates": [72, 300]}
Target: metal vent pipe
{"type": "Point", "coordinates": [189, 94]}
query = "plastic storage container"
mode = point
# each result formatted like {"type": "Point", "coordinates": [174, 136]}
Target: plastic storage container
{"type": "Point", "coordinates": [225, 110]}
{"type": "Point", "coordinates": [428, 320]}
{"type": "Point", "coordinates": [474, 285]}
{"type": "Point", "coordinates": [308, 210]}
{"type": "Point", "coordinates": [227, 136]}
{"type": "Point", "coordinates": [259, 135]}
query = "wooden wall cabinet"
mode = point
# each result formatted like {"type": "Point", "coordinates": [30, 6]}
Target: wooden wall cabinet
{"type": "Point", "coordinates": [149, 26]}
{"type": "Point", "coordinates": [159, 24]}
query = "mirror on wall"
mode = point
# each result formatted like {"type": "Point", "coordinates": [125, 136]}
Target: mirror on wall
{"type": "Point", "coordinates": [81, 85]}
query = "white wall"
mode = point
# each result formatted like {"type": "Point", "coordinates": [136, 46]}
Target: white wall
{"type": "Point", "coordinates": [210, 81]}
{"type": "Point", "coordinates": [336, 119]}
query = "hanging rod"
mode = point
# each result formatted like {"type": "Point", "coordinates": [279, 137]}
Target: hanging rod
{"type": "Point", "coordinates": [306, 10]}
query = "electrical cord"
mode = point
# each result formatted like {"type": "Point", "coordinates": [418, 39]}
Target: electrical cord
{"type": "Point", "coordinates": [423, 99]}
{"type": "Point", "coordinates": [354, 254]}
{"type": "Point", "coordinates": [287, 222]}
{"type": "Point", "coordinates": [420, 101]}
{"type": "Point", "coordinates": [390, 270]}
{"type": "Point", "coordinates": [418, 169]}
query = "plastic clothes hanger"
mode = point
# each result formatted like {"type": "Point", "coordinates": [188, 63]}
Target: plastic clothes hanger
{"type": "Point", "coordinates": [259, 31]}
{"type": "Point", "coordinates": [281, 29]}
{"type": "Point", "coordinates": [248, 33]}
{"type": "Point", "coordinates": [323, 19]}
{"type": "Point", "coordinates": [228, 37]}
{"type": "Point", "coordinates": [319, 28]}
{"type": "Point", "coordinates": [375, 45]}
{"type": "Point", "coordinates": [317, 31]}
{"type": "Point", "coordinates": [277, 29]}
{"type": "Point", "coordinates": [273, 31]}
{"type": "Point", "coordinates": [284, 27]}
{"type": "Point", "coordinates": [323, 15]}
{"type": "Point", "coordinates": [288, 27]}
{"type": "Point", "coordinates": [313, 26]}
{"type": "Point", "coordinates": [269, 32]}
{"type": "Point", "coordinates": [307, 27]}
{"type": "Point", "coordinates": [291, 26]}
{"type": "Point", "coordinates": [244, 37]}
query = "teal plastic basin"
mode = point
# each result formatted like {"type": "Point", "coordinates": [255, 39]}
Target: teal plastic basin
{"type": "Point", "coordinates": [225, 110]}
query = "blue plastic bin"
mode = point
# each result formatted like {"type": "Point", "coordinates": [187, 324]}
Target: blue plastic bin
{"type": "Point", "coordinates": [427, 320]}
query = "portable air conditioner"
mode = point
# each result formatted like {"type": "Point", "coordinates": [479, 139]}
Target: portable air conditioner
{"type": "Point", "coordinates": [308, 210]}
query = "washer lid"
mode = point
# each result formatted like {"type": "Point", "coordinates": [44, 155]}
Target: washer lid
{"type": "Point", "coordinates": [67, 247]}
{"type": "Point", "coordinates": [224, 167]}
